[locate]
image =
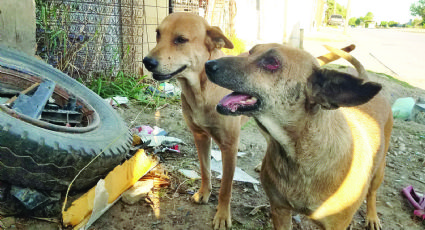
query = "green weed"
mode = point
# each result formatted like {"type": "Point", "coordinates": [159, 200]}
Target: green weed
{"type": "Point", "coordinates": [127, 85]}
{"type": "Point", "coordinates": [402, 83]}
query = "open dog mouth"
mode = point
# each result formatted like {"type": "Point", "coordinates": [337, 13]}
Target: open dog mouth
{"type": "Point", "coordinates": [162, 77]}
{"type": "Point", "coordinates": [238, 103]}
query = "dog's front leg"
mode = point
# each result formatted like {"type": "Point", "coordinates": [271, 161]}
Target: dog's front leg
{"type": "Point", "coordinates": [203, 145]}
{"type": "Point", "coordinates": [222, 219]}
{"type": "Point", "coordinates": [281, 217]}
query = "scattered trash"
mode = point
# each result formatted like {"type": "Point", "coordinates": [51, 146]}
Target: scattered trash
{"type": "Point", "coordinates": [402, 108]}
{"type": "Point", "coordinates": [30, 198]}
{"type": "Point", "coordinates": [258, 208]}
{"type": "Point", "coordinates": [15, 200]}
{"type": "Point", "coordinates": [142, 130]}
{"type": "Point", "coordinates": [85, 210]}
{"type": "Point", "coordinates": [191, 174]}
{"type": "Point", "coordinates": [156, 138]}
{"type": "Point", "coordinates": [117, 100]}
{"type": "Point", "coordinates": [239, 175]}
{"type": "Point", "coordinates": [418, 113]}
{"type": "Point", "coordinates": [419, 213]}
{"type": "Point", "coordinates": [155, 179]}
{"type": "Point", "coordinates": [416, 200]}
{"type": "Point", "coordinates": [156, 141]}
{"type": "Point", "coordinates": [139, 191]}
{"type": "Point", "coordinates": [169, 89]}
{"type": "Point", "coordinates": [165, 90]}
{"type": "Point", "coordinates": [217, 154]}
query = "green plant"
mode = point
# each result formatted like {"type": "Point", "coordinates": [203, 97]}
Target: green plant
{"type": "Point", "coordinates": [352, 21]}
{"type": "Point", "coordinates": [127, 85]}
{"type": "Point", "coordinates": [402, 83]}
{"type": "Point", "coordinates": [418, 9]}
{"type": "Point", "coordinates": [122, 84]}
{"type": "Point", "coordinates": [392, 24]}
{"type": "Point", "coordinates": [55, 44]}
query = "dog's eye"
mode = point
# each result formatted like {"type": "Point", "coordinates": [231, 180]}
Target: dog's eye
{"type": "Point", "coordinates": [180, 40]}
{"type": "Point", "coordinates": [270, 63]}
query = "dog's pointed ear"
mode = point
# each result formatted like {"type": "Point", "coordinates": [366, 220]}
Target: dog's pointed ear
{"type": "Point", "coordinates": [332, 89]}
{"type": "Point", "coordinates": [216, 39]}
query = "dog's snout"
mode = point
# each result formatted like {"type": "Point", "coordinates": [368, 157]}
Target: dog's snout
{"type": "Point", "coordinates": [150, 63]}
{"type": "Point", "coordinates": [211, 66]}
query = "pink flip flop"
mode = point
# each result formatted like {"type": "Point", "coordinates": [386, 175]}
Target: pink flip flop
{"type": "Point", "coordinates": [419, 213]}
{"type": "Point", "coordinates": [417, 201]}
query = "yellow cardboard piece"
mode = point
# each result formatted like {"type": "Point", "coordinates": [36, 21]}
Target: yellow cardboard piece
{"type": "Point", "coordinates": [116, 182]}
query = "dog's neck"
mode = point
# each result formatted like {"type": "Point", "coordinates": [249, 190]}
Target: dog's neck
{"type": "Point", "coordinates": [194, 82]}
{"type": "Point", "coordinates": [311, 136]}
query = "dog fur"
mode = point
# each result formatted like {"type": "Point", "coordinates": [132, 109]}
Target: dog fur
{"type": "Point", "coordinates": [327, 132]}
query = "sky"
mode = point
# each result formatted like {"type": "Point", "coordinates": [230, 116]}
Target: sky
{"type": "Point", "coordinates": [383, 10]}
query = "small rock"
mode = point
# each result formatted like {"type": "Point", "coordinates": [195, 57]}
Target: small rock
{"type": "Point", "coordinates": [389, 204]}
{"type": "Point", "coordinates": [297, 218]}
{"type": "Point", "coordinates": [255, 187]}
{"type": "Point", "coordinates": [139, 191]}
{"type": "Point", "coordinates": [402, 147]}
{"type": "Point", "coordinates": [191, 174]}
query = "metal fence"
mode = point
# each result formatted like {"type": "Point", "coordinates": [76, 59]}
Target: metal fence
{"type": "Point", "coordinates": [112, 35]}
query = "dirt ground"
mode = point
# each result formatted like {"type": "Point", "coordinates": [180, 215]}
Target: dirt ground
{"type": "Point", "coordinates": [405, 166]}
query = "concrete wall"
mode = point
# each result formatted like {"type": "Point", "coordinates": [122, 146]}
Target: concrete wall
{"type": "Point", "coordinates": [265, 21]}
{"type": "Point", "coordinates": [17, 25]}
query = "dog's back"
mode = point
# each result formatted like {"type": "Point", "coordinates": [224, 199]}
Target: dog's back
{"type": "Point", "coordinates": [327, 132]}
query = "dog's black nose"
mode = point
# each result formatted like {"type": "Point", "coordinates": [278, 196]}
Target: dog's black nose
{"type": "Point", "coordinates": [150, 63]}
{"type": "Point", "coordinates": [211, 66]}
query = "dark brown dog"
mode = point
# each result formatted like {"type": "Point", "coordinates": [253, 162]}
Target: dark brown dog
{"type": "Point", "coordinates": [327, 132]}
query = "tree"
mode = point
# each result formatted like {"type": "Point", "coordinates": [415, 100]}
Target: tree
{"type": "Point", "coordinates": [352, 21]}
{"type": "Point", "coordinates": [359, 21]}
{"type": "Point", "coordinates": [368, 17]}
{"type": "Point", "coordinates": [331, 9]}
{"type": "Point", "coordinates": [417, 22]}
{"type": "Point", "coordinates": [384, 24]}
{"type": "Point", "coordinates": [418, 9]}
{"type": "Point", "coordinates": [392, 24]}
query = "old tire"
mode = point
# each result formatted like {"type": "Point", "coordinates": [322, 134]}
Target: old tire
{"type": "Point", "coordinates": [43, 158]}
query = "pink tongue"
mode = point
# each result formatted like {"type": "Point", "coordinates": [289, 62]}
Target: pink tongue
{"type": "Point", "coordinates": [234, 98]}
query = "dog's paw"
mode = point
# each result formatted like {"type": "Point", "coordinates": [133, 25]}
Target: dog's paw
{"type": "Point", "coordinates": [222, 219]}
{"type": "Point", "coordinates": [201, 197]}
{"type": "Point", "coordinates": [258, 167]}
{"type": "Point", "coordinates": [373, 223]}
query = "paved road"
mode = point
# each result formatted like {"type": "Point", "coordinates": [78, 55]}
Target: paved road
{"type": "Point", "coordinates": [394, 52]}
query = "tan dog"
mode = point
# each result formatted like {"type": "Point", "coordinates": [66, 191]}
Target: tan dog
{"type": "Point", "coordinates": [184, 43]}
{"type": "Point", "coordinates": [327, 132]}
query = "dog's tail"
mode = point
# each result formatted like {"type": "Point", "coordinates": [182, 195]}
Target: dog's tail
{"type": "Point", "coordinates": [330, 57]}
{"type": "Point", "coordinates": [359, 67]}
